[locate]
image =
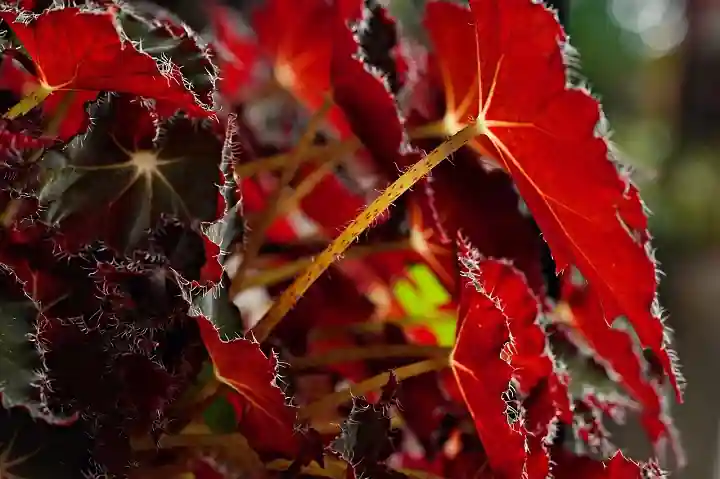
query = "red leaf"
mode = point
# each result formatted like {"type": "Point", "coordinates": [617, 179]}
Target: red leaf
{"type": "Point", "coordinates": [299, 37]}
{"type": "Point", "coordinates": [569, 466]}
{"type": "Point", "coordinates": [295, 37]}
{"type": "Point", "coordinates": [616, 348]}
{"type": "Point", "coordinates": [483, 206]}
{"type": "Point", "coordinates": [15, 77]}
{"type": "Point", "coordinates": [243, 366]}
{"type": "Point", "coordinates": [94, 58]}
{"type": "Point", "coordinates": [368, 106]}
{"type": "Point", "coordinates": [373, 115]}
{"type": "Point", "coordinates": [545, 135]}
{"type": "Point", "coordinates": [350, 9]}
{"type": "Point", "coordinates": [14, 74]}
{"type": "Point", "coordinates": [498, 341]}
{"type": "Point", "coordinates": [451, 30]}
{"type": "Point", "coordinates": [346, 204]}
{"type": "Point", "coordinates": [237, 53]}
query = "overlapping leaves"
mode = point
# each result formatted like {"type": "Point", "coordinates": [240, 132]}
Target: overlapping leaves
{"type": "Point", "coordinates": [120, 242]}
{"type": "Point", "coordinates": [529, 121]}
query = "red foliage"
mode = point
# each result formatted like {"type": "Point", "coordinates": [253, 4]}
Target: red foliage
{"type": "Point", "coordinates": [500, 358]}
{"type": "Point", "coordinates": [89, 63]}
{"type": "Point", "coordinates": [120, 238]}
{"type": "Point", "coordinates": [241, 364]}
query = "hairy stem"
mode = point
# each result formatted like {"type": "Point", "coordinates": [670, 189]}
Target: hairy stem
{"type": "Point", "coordinates": [290, 296]}
{"type": "Point", "coordinates": [27, 103]}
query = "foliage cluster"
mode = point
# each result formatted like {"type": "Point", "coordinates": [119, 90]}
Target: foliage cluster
{"type": "Point", "coordinates": [299, 244]}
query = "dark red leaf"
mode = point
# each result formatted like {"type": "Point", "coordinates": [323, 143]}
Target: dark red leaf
{"type": "Point", "coordinates": [299, 38]}
{"type": "Point", "coordinates": [12, 138]}
{"type": "Point", "coordinates": [368, 105]}
{"type": "Point", "coordinates": [330, 305]}
{"type": "Point", "coordinates": [504, 368]}
{"type": "Point", "coordinates": [484, 207]}
{"type": "Point", "coordinates": [265, 418]}
{"type": "Point", "coordinates": [618, 467]}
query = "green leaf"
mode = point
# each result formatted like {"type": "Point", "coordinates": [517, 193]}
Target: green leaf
{"type": "Point", "coordinates": [20, 360]}
{"type": "Point", "coordinates": [230, 229]}
{"type": "Point", "coordinates": [32, 449]}
{"type": "Point", "coordinates": [220, 416]}
{"type": "Point", "coordinates": [226, 232]}
{"type": "Point", "coordinates": [127, 176]}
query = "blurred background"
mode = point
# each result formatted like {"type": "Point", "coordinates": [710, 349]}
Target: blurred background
{"type": "Point", "coordinates": [656, 66]}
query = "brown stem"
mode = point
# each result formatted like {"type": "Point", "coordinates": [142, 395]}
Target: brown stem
{"type": "Point", "coordinates": [184, 441]}
{"type": "Point", "coordinates": [291, 167]}
{"type": "Point", "coordinates": [290, 296]}
{"type": "Point", "coordinates": [343, 355]}
{"type": "Point", "coordinates": [396, 422]}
